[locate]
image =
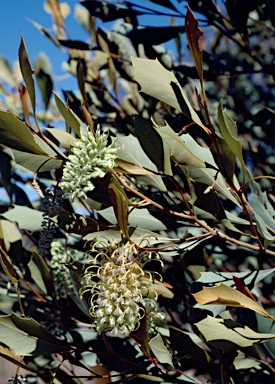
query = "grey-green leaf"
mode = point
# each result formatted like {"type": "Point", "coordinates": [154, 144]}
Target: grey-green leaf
{"type": "Point", "coordinates": [229, 335]}
{"type": "Point", "coordinates": [14, 133]}
{"type": "Point", "coordinates": [137, 218]}
{"type": "Point", "coordinates": [156, 81]}
{"type": "Point", "coordinates": [229, 132]}
{"type": "Point", "coordinates": [130, 149]}
{"type": "Point", "coordinates": [70, 117]}
{"type": "Point", "coordinates": [26, 218]}
{"type": "Point", "coordinates": [160, 350]}
{"type": "Point", "coordinates": [150, 141]}
{"type": "Point", "coordinates": [27, 337]}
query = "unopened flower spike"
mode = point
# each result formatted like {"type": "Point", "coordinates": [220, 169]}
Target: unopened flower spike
{"type": "Point", "coordinates": [91, 157]}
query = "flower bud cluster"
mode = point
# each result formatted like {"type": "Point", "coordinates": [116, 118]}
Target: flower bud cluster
{"type": "Point", "coordinates": [60, 272]}
{"type": "Point", "coordinates": [117, 286]}
{"type": "Point", "coordinates": [90, 158]}
{"type": "Point", "coordinates": [52, 205]}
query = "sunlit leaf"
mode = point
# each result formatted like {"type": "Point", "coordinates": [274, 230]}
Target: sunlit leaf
{"type": "Point", "coordinates": [263, 231]}
{"type": "Point", "coordinates": [162, 290]}
{"type": "Point", "coordinates": [131, 150]}
{"type": "Point", "coordinates": [26, 218]}
{"type": "Point", "coordinates": [127, 167]}
{"type": "Point", "coordinates": [27, 337]}
{"type": "Point", "coordinates": [250, 278]}
{"type": "Point", "coordinates": [160, 350]}
{"type": "Point", "coordinates": [65, 139]}
{"type": "Point", "coordinates": [14, 133]}
{"type": "Point", "coordinates": [34, 163]}
{"type": "Point", "coordinates": [140, 236]}
{"type": "Point", "coordinates": [210, 177]}
{"type": "Point", "coordinates": [178, 150]}
{"type": "Point", "coordinates": [83, 16]}
{"type": "Point", "coordinates": [228, 335]}
{"type": "Point", "coordinates": [265, 325]}
{"type": "Point", "coordinates": [42, 270]}
{"type": "Point", "coordinates": [225, 295]}
{"type": "Point", "coordinates": [9, 232]}
{"type": "Point", "coordinates": [156, 81]}
{"type": "Point", "coordinates": [244, 362]}
{"type": "Point", "coordinates": [137, 218]}
{"type": "Point", "coordinates": [57, 10]}
{"type": "Point", "coordinates": [261, 205]}
{"type": "Point", "coordinates": [70, 117]}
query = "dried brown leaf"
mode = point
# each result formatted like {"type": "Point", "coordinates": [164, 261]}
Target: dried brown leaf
{"type": "Point", "coordinates": [193, 34]}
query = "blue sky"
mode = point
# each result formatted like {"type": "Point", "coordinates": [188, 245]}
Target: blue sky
{"type": "Point", "coordinates": [14, 17]}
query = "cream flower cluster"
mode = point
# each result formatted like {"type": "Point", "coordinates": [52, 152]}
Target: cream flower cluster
{"type": "Point", "coordinates": [90, 158]}
{"type": "Point", "coordinates": [119, 290]}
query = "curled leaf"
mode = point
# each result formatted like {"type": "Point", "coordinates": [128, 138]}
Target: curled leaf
{"type": "Point", "coordinates": [224, 295]}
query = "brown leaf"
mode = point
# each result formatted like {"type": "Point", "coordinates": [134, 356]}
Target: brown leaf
{"type": "Point", "coordinates": [27, 72]}
{"type": "Point", "coordinates": [6, 353]}
{"type": "Point", "coordinates": [88, 118]}
{"type": "Point", "coordinates": [141, 336]}
{"type": "Point", "coordinates": [125, 166]}
{"type": "Point", "coordinates": [120, 206]}
{"type": "Point", "coordinates": [25, 100]}
{"type": "Point", "coordinates": [225, 295]}
{"type": "Point", "coordinates": [56, 11]}
{"type": "Point", "coordinates": [241, 287]}
{"type": "Point", "coordinates": [193, 34]}
{"type": "Point", "coordinates": [81, 70]}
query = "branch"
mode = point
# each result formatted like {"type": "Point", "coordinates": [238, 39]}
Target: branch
{"type": "Point", "coordinates": [210, 231]}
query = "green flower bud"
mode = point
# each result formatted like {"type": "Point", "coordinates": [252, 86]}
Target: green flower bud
{"type": "Point", "coordinates": [90, 158]}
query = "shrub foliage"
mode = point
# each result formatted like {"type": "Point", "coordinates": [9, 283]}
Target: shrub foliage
{"type": "Point", "coordinates": [147, 254]}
